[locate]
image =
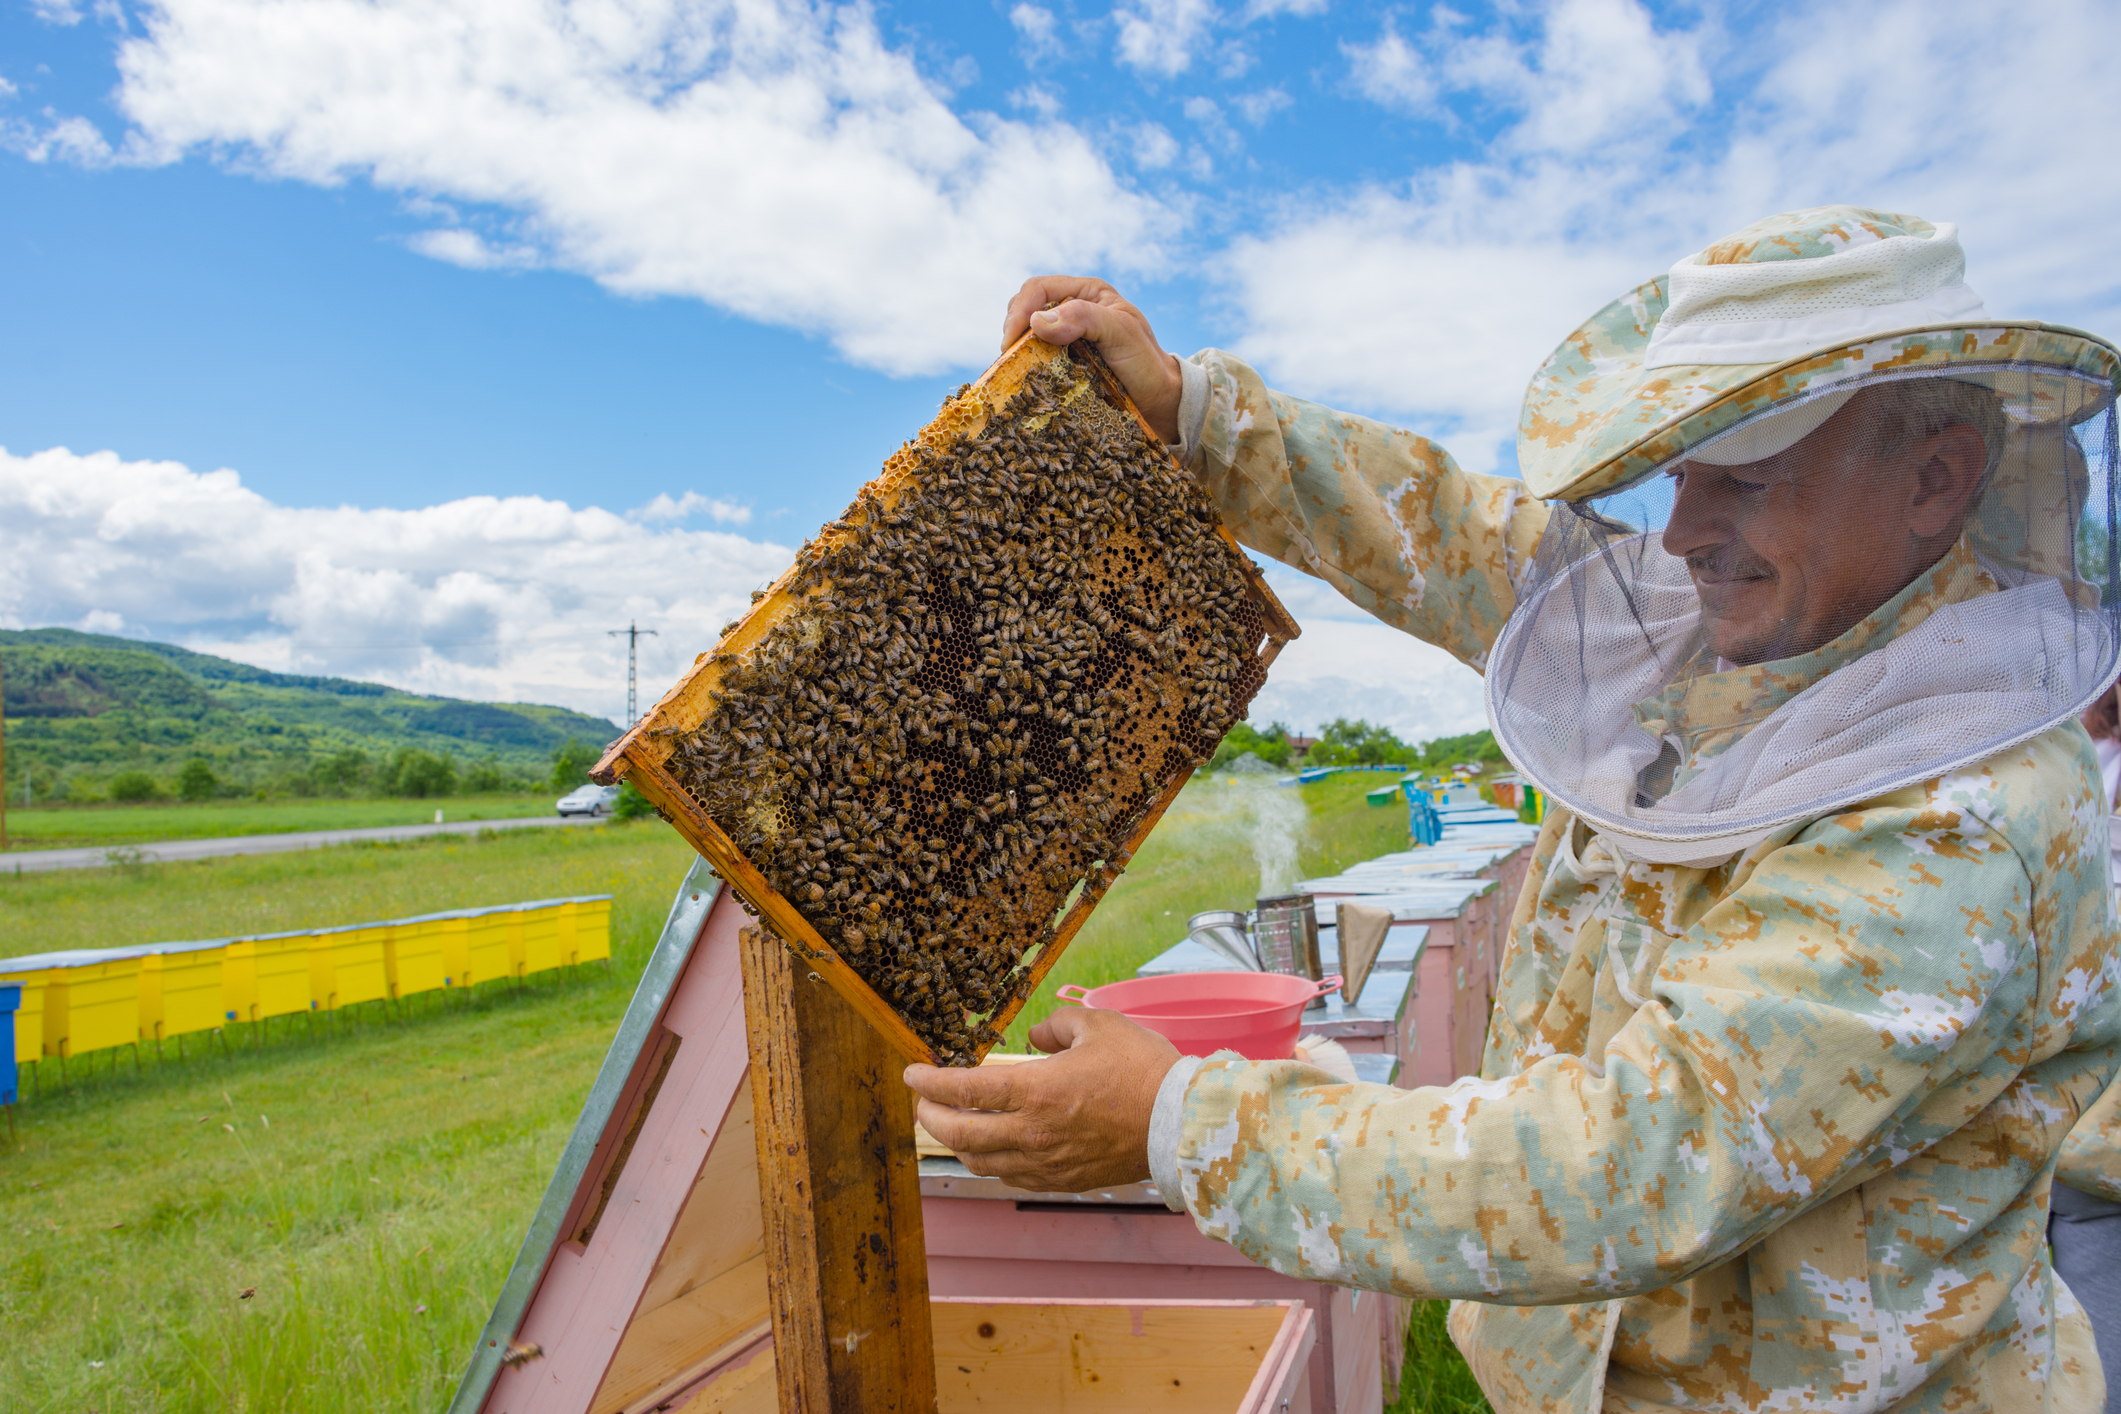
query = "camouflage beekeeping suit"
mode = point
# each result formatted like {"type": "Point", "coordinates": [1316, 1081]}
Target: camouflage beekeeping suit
{"type": "Point", "coordinates": [1767, 1118]}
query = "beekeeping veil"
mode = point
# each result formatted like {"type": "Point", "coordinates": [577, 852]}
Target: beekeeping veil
{"type": "Point", "coordinates": [1824, 529]}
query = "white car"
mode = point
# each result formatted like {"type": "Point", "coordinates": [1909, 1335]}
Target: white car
{"type": "Point", "coordinates": [588, 800]}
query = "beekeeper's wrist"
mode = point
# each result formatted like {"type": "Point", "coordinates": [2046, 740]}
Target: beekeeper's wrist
{"type": "Point", "coordinates": [1167, 1125]}
{"type": "Point", "coordinates": [1194, 393]}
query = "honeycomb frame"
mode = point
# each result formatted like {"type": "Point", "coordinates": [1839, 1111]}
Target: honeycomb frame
{"type": "Point", "coordinates": [643, 754]}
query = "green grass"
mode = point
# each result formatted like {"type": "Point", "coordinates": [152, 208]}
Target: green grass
{"type": "Point", "coordinates": [1434, 1379]}
{"type": "Point", "coordinates": [351, 1174]}
{"type": "Point", "coordinates": [1199, 857]}
{"type": "Point", "coordinates": [214, 898]}
{"type": "Point", "coordinates": [370, 1180]}
{"type": "Point", "coordinates": [64, 826]}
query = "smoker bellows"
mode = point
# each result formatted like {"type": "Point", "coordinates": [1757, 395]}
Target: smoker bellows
{"type": "Point", "coordinates": [973, 693]}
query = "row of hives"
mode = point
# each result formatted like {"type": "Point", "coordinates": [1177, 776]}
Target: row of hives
{"type": "Point", "coordinates": [77, 1002]}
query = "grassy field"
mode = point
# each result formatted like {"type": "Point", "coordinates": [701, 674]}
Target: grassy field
{"type": "Point", "coordinates": [66, 826]}
{"type": "Point", "coordinates": [320, 1224]}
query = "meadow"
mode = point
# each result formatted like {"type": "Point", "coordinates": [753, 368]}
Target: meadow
{"type": "Point", "coordinates": [64, 826]}
{"type": "Point", "coordinates": [320, 1221]}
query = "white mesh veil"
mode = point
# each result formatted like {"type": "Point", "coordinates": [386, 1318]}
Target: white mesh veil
{"type": "Point", "coordinates": [1854, 591]}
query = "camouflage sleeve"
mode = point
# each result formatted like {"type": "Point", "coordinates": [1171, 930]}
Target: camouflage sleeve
{"type": "Point", "coordinates": [1382, 515]}
{"type": "Point", "coordinates": [2091, 1156]}
{"type": "Point", "coordinates": [1850, 1002]}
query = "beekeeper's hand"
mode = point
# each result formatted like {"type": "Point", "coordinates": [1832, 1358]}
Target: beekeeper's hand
{"type": "Point", "coordinates": [1076, 1121]}
{"type": "Point", "coordinates": [1084, 308]}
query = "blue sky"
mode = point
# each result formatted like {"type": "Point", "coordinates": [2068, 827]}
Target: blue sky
{"type": "Point", "coordinates": [468, 295]}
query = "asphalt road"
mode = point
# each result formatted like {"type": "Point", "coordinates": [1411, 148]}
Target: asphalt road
{"type": "Point", "coordinates": [31, 861]}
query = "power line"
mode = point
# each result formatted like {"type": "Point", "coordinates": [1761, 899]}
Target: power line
{"type": "Point", "coordinates": [633, 635]}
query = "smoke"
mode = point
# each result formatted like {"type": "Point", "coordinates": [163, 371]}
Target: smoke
{"type": "Point", "coordinates": [1276, 818]}
{"type": "Point", "coordinates": [1228, 809]}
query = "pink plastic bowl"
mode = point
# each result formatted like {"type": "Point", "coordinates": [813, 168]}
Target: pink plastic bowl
{"type": "Point", "coordinates": [1256, 1014]}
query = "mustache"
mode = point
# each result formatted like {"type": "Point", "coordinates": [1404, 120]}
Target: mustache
{"type": "Point", "coordinates": [1728, 562]}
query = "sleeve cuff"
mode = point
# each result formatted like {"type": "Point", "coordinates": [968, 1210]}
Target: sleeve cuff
{"type": "Point", "coordinates": [1167, 1125]}
{"type": "Point", "coordinates": [1194, 394]}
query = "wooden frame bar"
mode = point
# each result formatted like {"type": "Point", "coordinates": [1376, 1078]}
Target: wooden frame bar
{"type": "Point", "coordinates": [839, 1195]}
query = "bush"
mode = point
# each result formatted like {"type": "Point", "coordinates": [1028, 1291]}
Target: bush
{"type": "Point", "coordinates": [631, 804]}
{"type": "Point", "coordinates": [1359, 743]}
{"type": "Point", "coordinates": [421, 773]}
{"type": "Point", "coordinates": [571, 763]}
{"type": "Point", "coordinates": [196, 781]}
{"type": "Point", "coordinates": [135, 786]}
{"type": "Point", "coordinates": [1450, 750]}
{"type": "Point", "coordinates": [486, 775]}
{"type": "Point", "coordinates": [341, 771]}
{"type": "Point", "coordinates": [1270, 746]}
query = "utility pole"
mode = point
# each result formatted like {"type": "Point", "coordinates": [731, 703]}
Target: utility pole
{"type": "Point", "coordinates": [633, 636]}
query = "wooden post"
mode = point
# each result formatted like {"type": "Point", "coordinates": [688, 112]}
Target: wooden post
{"type": "Point", "coordinates": [839, 1184]}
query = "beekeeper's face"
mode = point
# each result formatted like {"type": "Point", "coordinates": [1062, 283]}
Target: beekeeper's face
{"type": "Point", "coordinates": [1790, 552]}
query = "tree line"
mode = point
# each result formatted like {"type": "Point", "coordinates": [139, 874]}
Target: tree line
{"type": "Point", "coordinates": [1357, 743]}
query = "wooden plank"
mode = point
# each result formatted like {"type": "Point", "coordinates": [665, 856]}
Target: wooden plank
{"type": "Point", "coordinates": [1200, 1357]}
{"type": "Point", "coordinates": [839, 1192]}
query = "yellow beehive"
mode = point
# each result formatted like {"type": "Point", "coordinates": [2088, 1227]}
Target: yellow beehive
{"type": "Point", "coordinates": [490, 949]}
{"type": "Point", "coordinates": [323, 969]}
{"type": "Point", "coordinates": [360, 969]}
{"type": "Point", "coordinates": [192, 995]}
{"type": "Point", "coordinates": [239, 981]}
{"type": "Point", "coordinates": [541, 939]}
{"type": "Point", "coordinates": [592, 929]}
{"type": "Point", "coordinates": [149, 991]}
{"type": "Point", "coordinates": [29, 1017]}
{"type": "Point", "coordinates": [416, 958]}
{"type": "Point", "coordinates": [453, 937]}
{"type": "Point", "coordinates": [102, 1006]}
{"type": "Point", "coordinates": [281, 967]}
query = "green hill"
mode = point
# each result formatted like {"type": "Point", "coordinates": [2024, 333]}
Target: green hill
{"type": "Point", "coordinates": [83, 709]}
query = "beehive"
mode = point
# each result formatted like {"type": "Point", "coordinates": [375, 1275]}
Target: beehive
{"type": "Point", "coordinates": [930, 746]}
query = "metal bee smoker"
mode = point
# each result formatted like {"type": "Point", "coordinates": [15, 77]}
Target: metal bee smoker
{"type": "Point", "coordinates": [1285, 932]}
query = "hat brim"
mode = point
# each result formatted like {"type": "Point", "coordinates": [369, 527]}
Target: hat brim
{"type": "Point", "coordinates": [1595, 419]}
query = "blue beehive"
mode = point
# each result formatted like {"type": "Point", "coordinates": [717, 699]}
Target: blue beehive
{"type": "Point", "coordinates": [10, 1003]}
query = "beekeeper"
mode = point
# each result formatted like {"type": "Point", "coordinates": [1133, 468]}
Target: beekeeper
{"type": "Point", "coordinates": [1810, 571]}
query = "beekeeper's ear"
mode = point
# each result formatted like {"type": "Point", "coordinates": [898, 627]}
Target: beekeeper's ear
{"type": "Point", "coordinates": [1949, 466]}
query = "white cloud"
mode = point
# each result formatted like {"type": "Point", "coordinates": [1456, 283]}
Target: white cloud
{"type": "Point", "coordinates": [56, 12]}
{"type": "Point", "coordinates": [1260, 106]}
{"type": "Point", "coordinates": [1391, 72]}
{"type": "Point", "coordinates": [1435, 299]}
{"type": "Point", "coordinates": [471, 250]}
{"type": "Point", "coordinates": [1159, 36]}
{"type": "Point", "coordinates": [1347, 664]}
{"type": "Point", "coordinates": [1038, 98]}
{"type": "Point", "coordinates": [59, 139]}
{"type": "Point", "coordinates": [499, 599]}
{"type": "Point", "coordinates": [1036, 25]}
{"type": "Point", "coordinates": [771, 157]}
{"type": "Point", "coordinates": [1154, 147]}
{"type": "Point", "coordinates": [690, 504]}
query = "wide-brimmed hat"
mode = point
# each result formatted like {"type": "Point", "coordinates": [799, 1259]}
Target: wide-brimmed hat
{"type": "Point", "coordinates": [1777, 315]}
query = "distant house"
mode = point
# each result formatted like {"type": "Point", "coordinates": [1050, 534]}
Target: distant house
{"type": "Point", "coordinates": [1300, 747]}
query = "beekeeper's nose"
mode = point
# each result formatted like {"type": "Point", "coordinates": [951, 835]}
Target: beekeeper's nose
{"type": "Point", "coordinates": [1704, 506]}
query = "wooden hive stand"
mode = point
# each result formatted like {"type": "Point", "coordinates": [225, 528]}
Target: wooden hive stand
{"type": "Point", "coordinates": [735, 1225]}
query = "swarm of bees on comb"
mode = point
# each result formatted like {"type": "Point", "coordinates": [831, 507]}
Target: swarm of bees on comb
{"type": "Point", "coordinates": [988, 682]}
